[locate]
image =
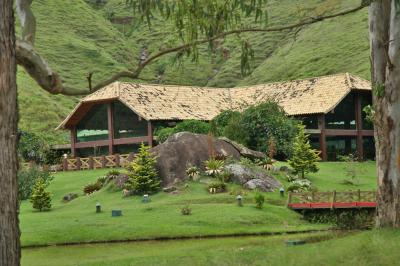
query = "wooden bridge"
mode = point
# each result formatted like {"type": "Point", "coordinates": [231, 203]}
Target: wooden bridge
{"type": "Point", "coordinates": [331, 200]}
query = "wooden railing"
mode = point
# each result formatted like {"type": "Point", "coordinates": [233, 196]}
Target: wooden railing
{"type": "Point", "coordinates": [109, 161]}
{"type": "Point", "coordinates": [322, 200]}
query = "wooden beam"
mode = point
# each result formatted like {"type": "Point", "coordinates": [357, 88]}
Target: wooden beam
{"type": "Point", "coordinates": [131, 140]}
{"type": "Point", "coordinates": [149, 133]}
{"type": "Point", "coordinates": [91, 144]}
{"type": "Point", "coordinates": [360, 148]}
{"type": "Point", "coordinates": [73, 141]}
{"type": "Point", "coordinates": [322, 137]}
{"type": "Point", "coordinates": [110, 119]}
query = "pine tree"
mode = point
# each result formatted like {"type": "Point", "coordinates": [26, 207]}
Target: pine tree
{"type": "Point", "coordinates": [304, 158]}
{"type": "Point", "coordinates": [143, 176]}
{"type": "Point", "coordinates": [40, 198]}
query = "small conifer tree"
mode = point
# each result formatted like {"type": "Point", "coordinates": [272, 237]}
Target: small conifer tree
{"type": "Point", "coordinates": [40, 198]}
{"type": "Point", "coordinates": [143, 176]}
{"type": "Point", "coordinates": [304, 157]}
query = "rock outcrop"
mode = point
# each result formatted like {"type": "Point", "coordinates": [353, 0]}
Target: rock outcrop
{"type": "Point", "coordinates": [183, 149]}
{"type": "Point", "coordinates": [252, 177]}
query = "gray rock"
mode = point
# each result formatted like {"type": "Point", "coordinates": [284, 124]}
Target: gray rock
{"type": "Point", "coordinates": [244, 151]}
{"type": "Point", "coordinates": [265, 185]}
{"type": "Point", "coordinates": [169, 189]}
{"type": "Point", "coordinates": [69, 197]}
{"type": "Point", "coordinates": [183, 149]}
{"type": "Point", "coordinates": [240, 174]}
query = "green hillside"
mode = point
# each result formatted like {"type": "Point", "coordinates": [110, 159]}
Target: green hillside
{"type": "Point", "coordinates": [77, 38]}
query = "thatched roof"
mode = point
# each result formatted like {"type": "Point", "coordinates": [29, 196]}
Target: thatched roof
{"type": "Point", "coordinates": [165, 102]}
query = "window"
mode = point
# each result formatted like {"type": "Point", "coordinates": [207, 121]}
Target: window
{"type": "Point", "coordinates": [126, 149]}
{"type": "Point", "coordinates": [126, 123]}
{"type": "Point", "coordinates": [369, 148]}
{"type": "Point", "coordinates": [94, 151]}
{"type": "Point", "coordinates": [94, 125]}
{"type": "Point", "coordinates": [340, 145]}
{"type": "Point", "coordinates": [343, 116]}
{"type": "Point", "coordinates": [310, 122]}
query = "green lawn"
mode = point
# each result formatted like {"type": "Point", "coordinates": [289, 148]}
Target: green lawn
{"type": "Point", "coordinates": [211, 214]}
{"type": "Point", "coordinates": [362, 248]}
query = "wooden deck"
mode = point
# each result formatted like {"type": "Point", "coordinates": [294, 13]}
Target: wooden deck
{"type": "Point", "coordinates": [332, 200]}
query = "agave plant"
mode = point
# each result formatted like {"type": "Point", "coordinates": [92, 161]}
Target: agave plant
{"type": "Point", "coordinates": [192, 172]}
{"type": "Point", "coordinates": [214, 167]}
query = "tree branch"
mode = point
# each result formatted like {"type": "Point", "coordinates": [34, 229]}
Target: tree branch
{"type": "Point", "coordinates": [50, 81]}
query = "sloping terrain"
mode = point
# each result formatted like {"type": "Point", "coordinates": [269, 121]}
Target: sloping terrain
{"type": "Point", "coordinates": [77, 38]}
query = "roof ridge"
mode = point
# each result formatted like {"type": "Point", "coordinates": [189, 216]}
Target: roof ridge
{"type": "Point", "coordinates": [292, 80]}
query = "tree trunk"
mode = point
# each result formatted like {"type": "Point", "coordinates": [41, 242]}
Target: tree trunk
{"type": "Point", "coordinates": [9, 231]}
{"type": "Point", "coordinates": [385, 62]}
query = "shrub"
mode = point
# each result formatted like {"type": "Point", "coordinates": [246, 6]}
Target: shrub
{"type": "Point", "coordinates": [30, 147]}
{"type": "Point", "coordinates": [247, 162]}
{"type": "Point", "coordinates": [186, 210]}
{"type": "Point", "coordinates": [214, 167]}
{"type": "Point", "coordinates": [236, 131]}
{"type": "Point", "coordinates": [193, 172]}
{"type": "Point", "coordinates": [217, 187]}
{"type": "Point", "coordinates": [120, 181]}
{"type": "Point", "coordinates": [102, 180]}
{"type": "Point", "coordinates": [27, 179]}
{"type": "Point", "coordinates": [223, 119]}
{"type": "Point", "coordinates": [40, 198]}
{"type": "Point", "coordinates": [300, 185]}
{"type": "Point", "coordinates": [259, 199]}
{"type": "Point", "coordinates": [90, 188]}
{"type": "Point", "coordinates": [261, 123]}
{"type": "Point", "coordinates": [112, 174]}
{"type": "Point", "coordinates": [164, 133]}
{"type": "Point", "coordinates": [304, 158]}
{"type": "Point", "coordinates": [143, 178]}
{"type": "Point", "coordinates": [193, 126]}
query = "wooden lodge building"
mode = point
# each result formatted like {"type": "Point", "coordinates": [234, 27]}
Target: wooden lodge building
{"type": "Point", "coordinates": [117, 118]}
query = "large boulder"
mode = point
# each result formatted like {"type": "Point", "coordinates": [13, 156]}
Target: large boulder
{"type": "Point", "coordinates": [183, 149]}
{"type": "Point", "coordinates": [252, 177]}
{"type": "Point", "coordinates": [244, 151]}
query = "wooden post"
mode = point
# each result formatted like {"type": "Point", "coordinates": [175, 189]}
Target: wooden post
{"type": "Point", "coordinates": [91, 162]}
{"type": "Point", "coordinates": [360, 148]}
{"type": "Point", "coordinates": [150, 133]}
{"type": "Point", "coordinates": [289, 199]}
{"type": "Point", "coordinates": [103, 161]}
{"type": "Point", "coordinates": [110, 119]}
{"type": "Point", "coordinates": [65, 164]}
{"type": "Point", "coordinates": [78, 163]}
{"type": "Point", "coordinates": [117, 160]}
{"type": "Point", "coordinates": [359, 195]}
{"type": "Point", "coordinates": [333, 199]}
{"type": "Point", "coordinates": [73, 141]}
{"type": "Point", "coordinates": [322, 137]}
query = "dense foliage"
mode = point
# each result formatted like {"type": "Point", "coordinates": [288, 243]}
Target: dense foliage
{"type": "Point", "coordinates": [27, 179]}
{"type": "Point", "coordinates": [193, 126]}
{"type": "Point", "coordinates": [304, 157]}
{"type": "Point", "coordinates": [41, 199]}
{"type": "Point", "coordinates": [223, 119]}
{"type": "Point", "coordinates": [264, 127]}
{"type": "Point", "coordinates": [32, 148]}
{"type": "Point", "coordinates": [143, 176]}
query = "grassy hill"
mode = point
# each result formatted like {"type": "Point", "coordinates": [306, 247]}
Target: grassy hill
{"type": "Point", "coordinates": [77, 38]}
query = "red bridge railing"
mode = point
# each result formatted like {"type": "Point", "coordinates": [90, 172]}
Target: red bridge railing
{"type": "Point", "coordinates": [332, 200]}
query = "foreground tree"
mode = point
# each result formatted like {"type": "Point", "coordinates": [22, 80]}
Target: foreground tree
{"type": "Point", "coordinates": [9, 231]}
{"type": "Point", "coordinates": [304, 158]}
{"type": "Point", "coordinates": [384, 21]}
